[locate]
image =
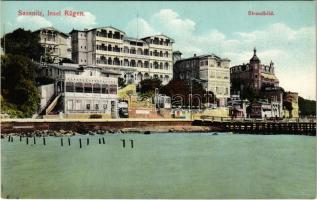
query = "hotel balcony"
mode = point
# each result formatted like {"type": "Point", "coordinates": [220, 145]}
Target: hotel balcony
{"type": "Point", "coordinates": [112, 40]}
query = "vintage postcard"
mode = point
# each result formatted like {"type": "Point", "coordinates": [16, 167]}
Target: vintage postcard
{"type": "Point", "coordinates": [158, 99]}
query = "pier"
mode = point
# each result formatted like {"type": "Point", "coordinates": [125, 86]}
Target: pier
{"type": "Point", "coordinates": [260, 127]}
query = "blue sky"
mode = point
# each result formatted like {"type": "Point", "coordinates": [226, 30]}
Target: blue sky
{"type": "Point", "coordinates": [223, 28]}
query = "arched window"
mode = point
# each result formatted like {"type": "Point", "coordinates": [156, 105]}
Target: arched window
{"type": "Point", "coordinates": [146, 64]}
{"type": "Point", "coordinates": [140, 64]}
{"type": "Point", "coordinates": [156, 65]}
{"type": "Point", "coordinates": [166, 66]}
{"type": "Point", "coordinates": [139, 52]}
{"type": "Point", "coordinates": [109, 61]}
{"type": "Point", "coordinates": [132, 63]}
{"type": "Point", "coordinates": [110, 34]}
{"type": "Point", "coordinates": [109, 47]}
{"type": "Point", "coordinates": [116, 61]}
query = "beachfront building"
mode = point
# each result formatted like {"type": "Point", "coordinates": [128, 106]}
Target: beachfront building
{"type": "Point", "coordinates": [265, 110]}
{"type": "Point", "coordinates": [210, 70]}
{"type": "Point", "coordinates": [237, 106]}
{"type": "Point", "coordinates": [82, 90]}
{"type": "Point", "coordinates": [135, 59]}
{"type": "Point", "coordinates": [253, 74]}
{"type": "Point", "coordinates": [57, 45]}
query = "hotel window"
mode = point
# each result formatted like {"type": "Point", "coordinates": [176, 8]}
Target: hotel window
{"type": "Point", "coordinates": [88, 88]}
{"type": "Point", "coordinates": [79, 87]}
{"type": "Point", "coordinates": [113, 89]}
{"type": "Point", "coordinates": [97, 106]}
{"type": "Point", "coordinates": [88, 106]}
{"type": "Point", "coordinates": [104, 89]}
{"type": "Point", "coordinates": [96, 88]}
{"type": "Point", "coordinates": [69, 87]}
{"type": "Point", "coordinates": [105, 106]}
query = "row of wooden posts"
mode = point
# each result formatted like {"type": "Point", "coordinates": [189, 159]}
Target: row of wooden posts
{"type": "Point", "coordinates": [81, 142]}
{"type": "Point", "coordinates": [305, 128]}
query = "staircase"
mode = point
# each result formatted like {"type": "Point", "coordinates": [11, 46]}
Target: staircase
{"type": "Point", "coordinates": [50, 105]}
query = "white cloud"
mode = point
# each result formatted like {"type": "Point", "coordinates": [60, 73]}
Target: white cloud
{"type": "Point", "coordinates": [171, 22]}
{"type": "Point", "coordinates": [79, 22]}
{"type": "Point", "coordinates": [32, 22]}
{"type": "Point", "coordinates": [144, 28]}
{"type": "Point", "coordinates": [291, 49]}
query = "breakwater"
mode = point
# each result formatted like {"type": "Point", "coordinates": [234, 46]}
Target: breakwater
{"type": "Point", "coordinates": [304, 128]}
{"type": "Point", "coordinates": [73, 127]}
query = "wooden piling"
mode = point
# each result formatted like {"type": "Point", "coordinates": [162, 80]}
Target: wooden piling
{"type": "Point", "coordinates": [44, 142]}
{"type": "Point", "coordinates": [79, 142]}
{"type": "Point", "coordinates": [131, 141]}
{"type": "Point", "coordinates": [68, 141]}
{"type": "Point", "coordinates": [103, 140]}
{"type": "Point", "coordinates": [123, 143]}
{"type": "Point", "coordinates": [62, 142]}
{"type": "Point", "coordinates": [87, 141]}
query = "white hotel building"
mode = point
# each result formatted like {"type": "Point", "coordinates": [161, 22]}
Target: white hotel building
{"type": "Point", "coordinates": [135, 59]}
{"type": "Point", "coordinates": [56, 44]}
{"type": "Point", "coordinates": [84, 90]}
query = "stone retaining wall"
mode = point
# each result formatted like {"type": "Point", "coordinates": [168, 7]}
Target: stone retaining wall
{"type": "Point", "coordinates": [78, 126]}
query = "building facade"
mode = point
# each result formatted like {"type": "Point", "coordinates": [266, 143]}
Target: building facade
{"type": "Point", "coordinates": [135, 59]}
{"type": "Point", "coordinates": [85, 89]}
{"type": "Point", "coordinates": [253, 74]}
{"type": "Point", "coordinates": [211, 70]}
{"type": "Point", "coordinates": [57, 45]}
{"type": "Point", "coordinates": [265, 110]}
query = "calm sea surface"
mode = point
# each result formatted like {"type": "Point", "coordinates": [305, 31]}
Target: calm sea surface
{"type": "Point", "coordinates": [196, 165]}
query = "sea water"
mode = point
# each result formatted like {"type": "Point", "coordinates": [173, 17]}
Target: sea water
{"type": "Point", "coordinates": [169, 165]}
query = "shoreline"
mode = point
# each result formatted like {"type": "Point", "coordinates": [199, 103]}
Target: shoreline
{"type": "Point", "coordinates": [137, 130]}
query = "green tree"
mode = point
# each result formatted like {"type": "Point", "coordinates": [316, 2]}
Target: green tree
{"type": "Point", "coordinates": [18, 75]}
{"type": "Point", "coordinates": [149, 85]}
{"type": "Point", "coordinates": [22, 42]}
{"type": "Point", "coordinates": [306, 107]}
{"type": "Point", "coordinates": [179, 89]}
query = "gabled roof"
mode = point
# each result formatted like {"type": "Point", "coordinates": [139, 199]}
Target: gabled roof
{"type": "Point", "coordinates": [203, 56]}
{"type": "Point", "coordinates": [51, 28]}
{"type": "Point", "coordinates": [104, 27]}
{"type": "Point", "coordinates": [172, 40]}
{"type": "Point", "coordinates": [133, 39]}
